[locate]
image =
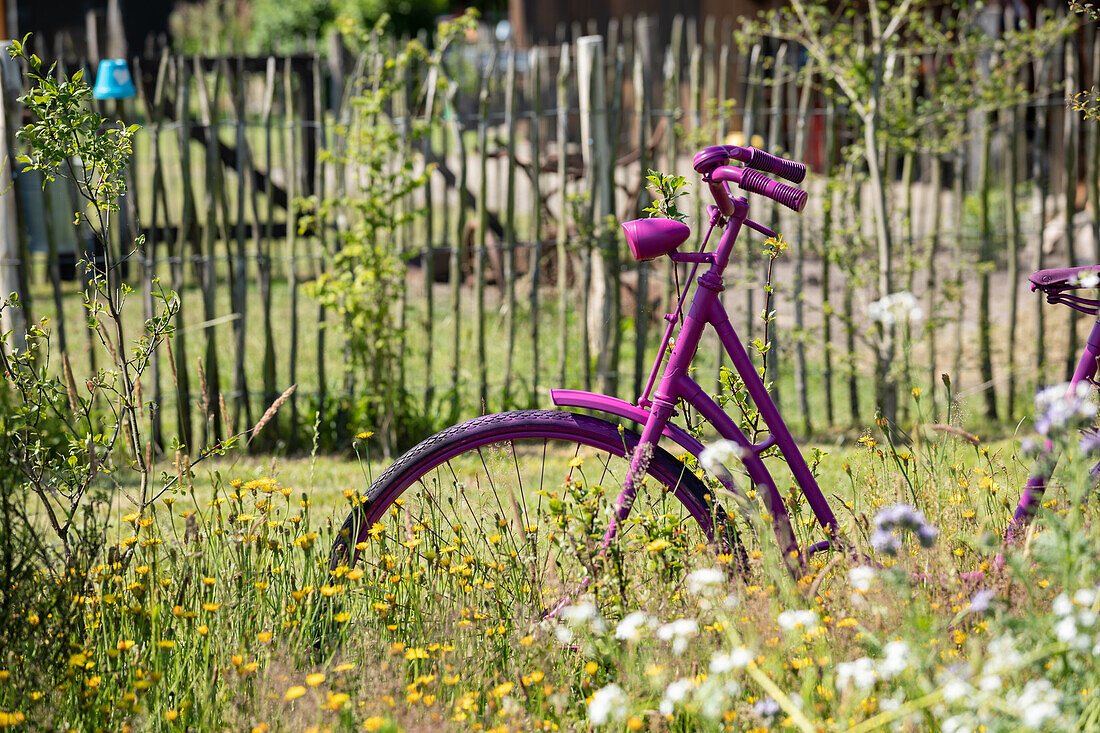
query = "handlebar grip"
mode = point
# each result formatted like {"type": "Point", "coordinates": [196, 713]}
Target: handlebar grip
{"type": "Point", "coordinates": [789, 196]}
{"type": "Point", "coordinates": [768, 163]}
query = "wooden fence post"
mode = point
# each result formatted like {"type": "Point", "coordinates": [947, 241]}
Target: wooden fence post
{"type": "Point", "coordinates": [459, 243]}
{"type": "Point", "coordinates": [563, 209]}
{"type": "Point", "coordinates": [535, 59]}
{"type": "Point", "coordinates": [642, 51]}
{"type": "Point", "coordinates": [185, 244]}
{"type": "Point", "coordinates": [482, 231]}
{"type": "Point", "coordinates": [11, 261]}
{"type": "Point", "coordinates": [509, 258]}
{"type": "Point", "coordinates": [1069, 180]}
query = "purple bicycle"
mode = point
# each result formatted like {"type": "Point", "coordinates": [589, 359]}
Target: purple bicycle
{"type": "Point", "coordinates": [492, 485]}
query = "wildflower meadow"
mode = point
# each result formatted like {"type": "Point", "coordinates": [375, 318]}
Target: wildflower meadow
{"type": "Point", "coordinates": [183, 588]}
{"type": "Point", "coordinates": [215, 607]}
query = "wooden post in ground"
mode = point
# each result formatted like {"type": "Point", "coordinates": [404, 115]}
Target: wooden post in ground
{"type": "Point", "coordinates": [827, 245]}
{"type": "Point", "coordinates": [242, 410]}
{"type": "Point", "coordinates": [509, 258]}
{"type": "Point", "coordinates": [154, 112]}
{"type": "Point", "coordinates": [457, 246]}
{"type": "Point", "coordinates": [1069, 136]}
{"type": "Point", "coordinates": [563, 209]}
{"type": "Point", "coordinates": [316, 174]}
{"type": "Point", "coordinates": [535, 59]}
{"type": "Point", "coordinates": [1040, 70]}
{"type": "Point", "coordinates": [208, 279]}
{"type": "Point", "coordinates": [185, 243]}
{"type": "Point", "coordinates": [292, 191]}
{"type": "Point", "coordinates": [11, 261]}
{"type": "Point", "coordinates": [482, 232]}
{"type": "Point", "coordinates": [603, 310]}
{"type": "Point", "coordinates": [801, 148]}
{"type": "Point", "coordinates": [642, 49]}
{"type": "Point", "coordinates": [1011, 124]}
{"type": "Point", "coordinates": [264, 248]}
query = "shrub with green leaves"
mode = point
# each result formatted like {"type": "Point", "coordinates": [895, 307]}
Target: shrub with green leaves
{"type": "Point", "coordinates": [377, 161]}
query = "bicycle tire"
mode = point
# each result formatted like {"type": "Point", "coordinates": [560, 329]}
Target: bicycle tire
{"type": "Point", "coordinates": [416, 477]}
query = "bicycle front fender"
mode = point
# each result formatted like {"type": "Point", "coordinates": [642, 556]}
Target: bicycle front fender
{"type": "Point", "coordinates": [622, 408]}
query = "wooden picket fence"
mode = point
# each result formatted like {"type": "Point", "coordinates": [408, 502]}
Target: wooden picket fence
{"type": "Point", "coordinates": [559, 143]}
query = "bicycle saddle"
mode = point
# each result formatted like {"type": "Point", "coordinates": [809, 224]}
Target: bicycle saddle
{"type": "Point", "coordinates": [1066, 278]}
{"type": "Point", "coordinates": [1058, 282]}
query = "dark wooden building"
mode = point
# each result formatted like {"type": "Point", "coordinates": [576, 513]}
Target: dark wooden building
{"type": "Point", "coordinates": [140, 20]}
{"type": "Point", "coordinates": [540, 21]}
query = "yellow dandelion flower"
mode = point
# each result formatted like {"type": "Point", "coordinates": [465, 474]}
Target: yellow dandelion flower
{"type": "Point", "coordinates": [375, 721]}
{"type": "Point", "coordinates": [211, 607]}
{"type": "Point", "coordinates": [208, 581]}
{"type": "Point", "coordinates": [93, 681]}
{"type": "Point", "coordinates": [337, 701]}
{"type": "Point", "coordinates": [363, 436]}
{"type": "Point", "coordinates": [344, 667]}
{"type": "Point", "coordinates": [355, 574]}
{"type": "Point", "coordinates": [141, 569]}
{"type": "Point", "coordinates": [527, 640]}
{"type": "Point", "coordinates": [166, 644]}
{"type": "Point", "coordinates": [315, 679]}
{"type": "Point", "coordinates": [125, 644]}
{"type": "Point", "coordinates": [264, 636]}
{"type": "Point", "coordinates": [306, 540]}
{"type": "Point", "coordinates": [576, 462]}
{"type": "Point", "coordinates": [133, 517]}
{"type": "Point", "coordinates": [203, 629]}
{"type": "Point", "coordinates": [294, 693]}
{"type": "Point", "coordinates": [504, 689]}
{"type": "Point", "coordinates": [341, 617]}
{"type": "Point", "coordinates": [591, 668]}
{"type": "Point", "coordinates": [245, 518]}
{"type": "Point", "coordinates": [171, 715]}
{"type": "Point", "coordinates": [658, 545]}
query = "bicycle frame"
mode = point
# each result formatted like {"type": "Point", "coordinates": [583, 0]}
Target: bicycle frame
{"type": "Point", "coordinates": [676, 385]}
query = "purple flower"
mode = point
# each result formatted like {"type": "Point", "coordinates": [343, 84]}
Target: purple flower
{"type": "Point", "coordinates": [901, 517]}
{"type": "Point", "coordinates": [927, 534]}
{"type": "Point", "coordinates": [979, 603]}
{"type": "Point", "coordinates": [885, 541]}
{"type": "Point", "coordinates": [766, 708]}
{"type": "Point", "coordinates": [1060, 407]}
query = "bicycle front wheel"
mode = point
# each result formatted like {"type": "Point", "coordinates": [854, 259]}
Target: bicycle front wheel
{"type": "Point", "coordinates": [500, 519]}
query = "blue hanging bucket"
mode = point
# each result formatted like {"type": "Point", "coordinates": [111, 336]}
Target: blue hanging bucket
{"type": "Point", "coordinates": [113, 80]}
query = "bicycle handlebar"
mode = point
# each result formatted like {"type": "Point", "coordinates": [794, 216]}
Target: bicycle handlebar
{"type": "Point", "coordinates": [753, 182]}
{"type": "Point", "coordinates": [710, 158]}
{"type": "Point", "coordinates": [759, 160]}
